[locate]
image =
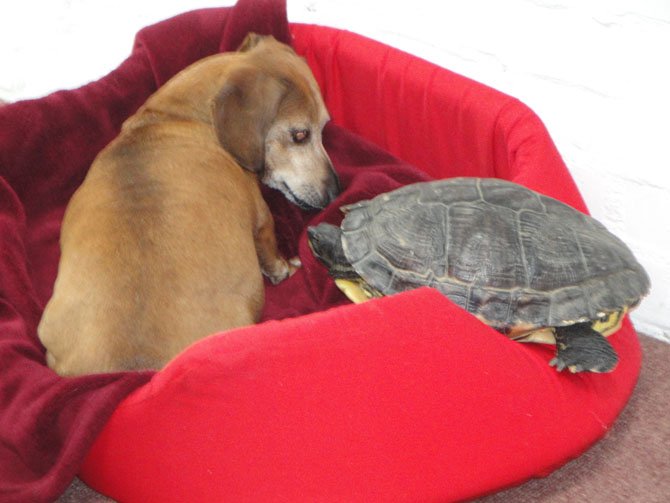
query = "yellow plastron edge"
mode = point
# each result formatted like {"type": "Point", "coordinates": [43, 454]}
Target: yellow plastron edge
{"type": "Point", "coordinates": [353, 290]}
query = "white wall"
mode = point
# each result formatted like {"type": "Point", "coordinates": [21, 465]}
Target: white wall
{"type": "Point", "coordinates": [596, 71]}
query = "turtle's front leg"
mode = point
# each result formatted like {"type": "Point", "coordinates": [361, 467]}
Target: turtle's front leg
{"type": "Point", "coordinates": [580, 348]}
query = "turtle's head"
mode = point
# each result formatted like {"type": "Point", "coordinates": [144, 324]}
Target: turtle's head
{"type": "Point", "coordinates": [325, 240]}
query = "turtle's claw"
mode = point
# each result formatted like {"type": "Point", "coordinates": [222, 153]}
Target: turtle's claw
{"type": "Point", "coordinates": [562, 365]}
{"type": "Point", "coordinates": [558, 363]}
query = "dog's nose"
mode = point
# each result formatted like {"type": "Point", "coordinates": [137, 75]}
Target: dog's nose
{"type": "Point", "coordinates": [333, 187]}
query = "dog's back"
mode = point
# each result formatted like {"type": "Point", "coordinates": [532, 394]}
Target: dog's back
{"type": "Point", "coordinates": [149, 256]}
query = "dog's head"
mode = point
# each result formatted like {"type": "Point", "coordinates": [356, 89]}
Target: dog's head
{"type": "Point", "coordinates": [270, 115]}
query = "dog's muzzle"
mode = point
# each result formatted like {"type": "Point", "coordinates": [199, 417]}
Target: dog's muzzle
{"type": "Point", "coordinates": [309, 198]}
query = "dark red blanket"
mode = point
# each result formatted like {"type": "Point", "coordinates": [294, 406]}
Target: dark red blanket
{"type": "Point", "coordinates": [47, 423]}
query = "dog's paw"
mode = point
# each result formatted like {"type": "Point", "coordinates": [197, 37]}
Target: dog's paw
{"type": "Point", "coordinates": [284, 269]}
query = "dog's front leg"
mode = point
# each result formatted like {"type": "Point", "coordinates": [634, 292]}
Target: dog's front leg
{"type": "Point", "coordinates": [273, 265]}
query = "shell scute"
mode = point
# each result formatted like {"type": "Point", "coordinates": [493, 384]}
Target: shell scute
{"type": "Point", "coordinates": [530, 308]}
{"type": "Point", "coordinates": [457, 293]}
{"type": "Point", "coordinates": [552, 255]}
{"type": "Point", "coordinates": [508, 196]}
{"type": "Point", "coordinates": [563, 303]}
{"type": "Point", "coordinates": [483, 248]}
{"type": "Point", "coordinates": [412, 240]}
{"type": "Point", "coordinates": [460, 190]}
{"type": "Point", "coordinates": [494, 307]}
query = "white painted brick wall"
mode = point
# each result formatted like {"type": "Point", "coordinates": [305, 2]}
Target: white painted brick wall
{"type": "Point", "coordinates": [596, 71]}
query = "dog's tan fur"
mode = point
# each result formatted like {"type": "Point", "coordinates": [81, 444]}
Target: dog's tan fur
{"type": "Point", "coordinates": [165, 241]}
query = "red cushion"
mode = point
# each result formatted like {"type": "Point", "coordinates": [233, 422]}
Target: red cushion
{"type": "Point", "coordinates": [402, 398]}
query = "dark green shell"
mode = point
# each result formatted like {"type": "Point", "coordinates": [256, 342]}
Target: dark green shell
{"type": "Point", "coordinates": [501, 251]}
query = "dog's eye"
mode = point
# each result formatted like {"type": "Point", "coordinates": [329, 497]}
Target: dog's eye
{"type": "Point", "coordinates": [300, 135]}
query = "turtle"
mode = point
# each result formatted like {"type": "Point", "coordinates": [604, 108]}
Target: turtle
{"type": "Point", "coordinates": [528, 265]}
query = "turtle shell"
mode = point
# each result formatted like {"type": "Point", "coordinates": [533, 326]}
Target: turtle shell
{"type": "Point", "coordinates": [505, 253]}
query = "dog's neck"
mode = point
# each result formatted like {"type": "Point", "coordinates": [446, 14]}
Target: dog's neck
{"type": "Point", "coordinates": [186, 97]}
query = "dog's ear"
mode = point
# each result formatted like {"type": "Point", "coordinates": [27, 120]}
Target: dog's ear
{"type": "Point", "coordinates": [243, 111]}
{"type": "Point", "coordinates": [250, 41]}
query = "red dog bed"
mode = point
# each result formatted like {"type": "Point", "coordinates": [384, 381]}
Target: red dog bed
{"type": "Point", "coordinates": [402, 398]}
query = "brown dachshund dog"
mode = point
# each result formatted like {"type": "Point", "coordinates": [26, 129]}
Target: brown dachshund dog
{"type": "Point", "coordinates": [165, 241]}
